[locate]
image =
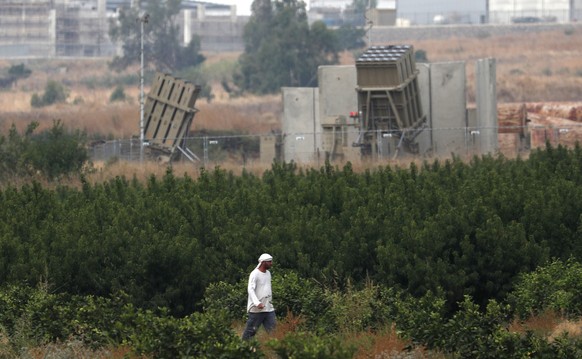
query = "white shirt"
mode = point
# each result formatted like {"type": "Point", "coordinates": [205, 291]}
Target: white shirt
{"type": "Point", "coordinates": [259, 290]}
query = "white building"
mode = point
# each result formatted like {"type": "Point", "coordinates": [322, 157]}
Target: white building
{"type": "Point", "coordinates": [524, 11]}
{"type": "Point", "coordinates": [426, 12]}
{"type": "Point", "coordinates": [342, 4]}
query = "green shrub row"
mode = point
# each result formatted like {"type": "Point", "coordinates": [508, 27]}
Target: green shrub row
{"type": "Point", "coordinates": [32, 317]}
{"type": "Point", "coordinates": [470, 332]}
{"type": "Point", "coordinates": [465, 228]}
{"type": "Point", "coordinates": [326, 316]}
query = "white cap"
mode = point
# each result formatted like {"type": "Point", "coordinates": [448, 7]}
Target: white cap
{"type": "Point", "coordinates": [265, 257]}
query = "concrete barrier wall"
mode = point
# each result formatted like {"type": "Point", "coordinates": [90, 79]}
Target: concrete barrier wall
{"type": "Point", "coordinates": [448, 107]}
{"type": "Point", "coordinates": [424, 139]}
{"type": "Point", "coordinates": [338, 97]}
{"type": "Point", "coordinates": [487, 105]}
{"type": "Point", "coordinates": [300, 115]}
{"type": "Point", "coordinates": [337, 89]}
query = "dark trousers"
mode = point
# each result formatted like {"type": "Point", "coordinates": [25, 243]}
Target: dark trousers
{"type": "Point", "coordinates": [267, 319]}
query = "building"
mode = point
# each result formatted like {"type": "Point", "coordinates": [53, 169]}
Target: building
{"type": "Point", "coordinates": [57, 28]}
{"type": "Point", "coordinates": [80, 28]}
{"type": "Point", "coordinates": [442, 12]}
{"type": "Point", "coordinates": [534, 11]}
{"type": "Point", "coordinates": [445, 12]}
{"type": "Point", "coordinates": [339, 12]}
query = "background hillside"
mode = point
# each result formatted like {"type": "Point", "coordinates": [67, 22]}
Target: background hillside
{"type": "Point", "coordinates": [532, 67]}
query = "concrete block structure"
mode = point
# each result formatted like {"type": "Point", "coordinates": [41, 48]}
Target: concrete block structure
{"type": "Point", "coordinates": [337, 100]}
{"type": "Point", "coordinates": [447, 99]}
{"type": "Point", "coordinates": [317, 124]}
{"type": "Point", "coordinates": [486, 115]}
{"type": "Point", "coordinates": [424, 139]}
{"type": "Point", "coordinates": [300, 124]}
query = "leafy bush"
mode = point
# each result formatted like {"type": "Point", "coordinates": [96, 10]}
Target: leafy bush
{"type": "Point", "coordinates": [354, 310]}
{"type": "Point", "coordinates": [300, 296]}
{"type": "Point", "coordinates": [57, 151]}
{"type": "Point", "coordinates": [196, 336]}
{"type": "Point", "coordinates": [12, 149]}
{"type": "Point", "coordinates": [463, 229]}
{"type": "Point", "coordinates": [118, 95]}
{"type": "Point", "coordinates": [303, 345]}
{"type": "Point", "coordinates": [232, 299]}
{"type": "Point", "coordinates": [569, 31]}
{"type": "Point", "coordinates": [421, 319]}
{"type": "Point", "coordinates": [19, 71]}
{"type": "Point", "coordinates": [32, 317]}
{"type": "Point", "coordinates": [474, 333]}
{"type": "Point", "coordinates": [556, 286]}
{"type": "Point", "coordinates": [51, 153]}
{"type": "Point", "coordinates": [36, 100]}
{"type": "Point", "coordinates": [54, 92]}
{"type": "Point", "coordinates": [15, 72]}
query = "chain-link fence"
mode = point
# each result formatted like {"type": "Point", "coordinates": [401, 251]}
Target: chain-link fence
{"type": "Point", "coordinates": [317, 147]}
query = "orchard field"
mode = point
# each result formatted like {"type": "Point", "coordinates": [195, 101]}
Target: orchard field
{"type": "Point", "coordinates": [441, 258]}
{"type": "Point", "coordinates": [449, 258]}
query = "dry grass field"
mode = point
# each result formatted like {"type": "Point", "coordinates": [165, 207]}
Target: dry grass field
{"type": "Point", "coordinates": [536, 67]}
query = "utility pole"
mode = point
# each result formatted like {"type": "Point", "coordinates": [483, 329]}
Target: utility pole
{"type": "Point", "coordinates": [369, 22]}
{"type": "Point", "coordinates": [143, 20]}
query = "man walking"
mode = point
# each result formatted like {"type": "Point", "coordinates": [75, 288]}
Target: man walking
{"type": "Point", "coordinates": [259, 305]}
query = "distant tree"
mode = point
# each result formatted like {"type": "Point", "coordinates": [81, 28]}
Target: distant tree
{"type": "Point", "coordinates": [36, 101]}
{"type": "Point", "coordinates": [162, 46]}
{"type": "Point", "coordinates": [57, 151]}
{"type": "Point", "coordinates": [12, 148]}
{"type": "Point", "coordinates": [15, 72]}
{"type": "Point", "coordinates": [118, 95]}
{"type": "Point", "coordinates": [52, 153]}
{"type": "Point", "coordinates": [281, 49]}
{"type": "Point", "coordinates": [54, 92]}
{"type": "Point", "coordinates": [356, 12]}
{"type": "Point", "coordinates": [19, 71]}
{"type": "Point", "coordinates": [350, 37]}
{"type": "Point", "coordinates": [361, 6]}
{"type": "Point", "coordinates": [420, 56]}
